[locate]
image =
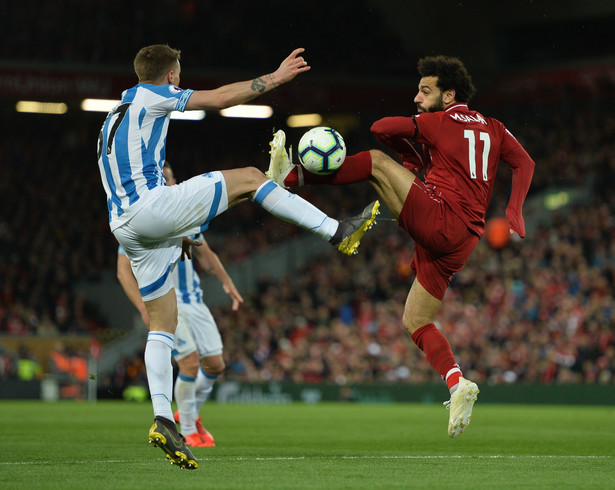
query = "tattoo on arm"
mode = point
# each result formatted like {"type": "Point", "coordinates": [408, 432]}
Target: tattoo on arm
{"type": "Point", "coordinates": [258, 85]}
{"type": "Point", "coordinates": [271, 79]}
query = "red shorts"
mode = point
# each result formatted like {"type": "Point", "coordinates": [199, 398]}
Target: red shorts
{"type": "Point", "coordinates": [443, 242]}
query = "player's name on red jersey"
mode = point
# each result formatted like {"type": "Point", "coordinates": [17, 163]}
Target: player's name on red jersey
{"type": "Point", "coordinates": [467, 118]}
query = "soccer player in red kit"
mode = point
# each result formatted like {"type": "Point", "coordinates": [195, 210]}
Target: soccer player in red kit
{"type": "Point", "coordinates": [445, 214]}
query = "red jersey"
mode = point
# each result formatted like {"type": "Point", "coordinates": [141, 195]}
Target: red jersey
{"type": "Point", "coordinates": [461, 152]}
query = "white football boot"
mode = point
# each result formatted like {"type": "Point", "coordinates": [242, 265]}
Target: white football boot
{"type": "Point", "coordinates": [460, 406]}
{"type": "Point", "coordinates": [280, 164]}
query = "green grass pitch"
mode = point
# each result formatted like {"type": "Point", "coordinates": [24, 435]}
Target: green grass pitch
{"type": "Point", "coordinates": [104, 445]}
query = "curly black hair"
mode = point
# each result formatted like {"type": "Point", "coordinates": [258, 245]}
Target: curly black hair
{"type": "Point", "coordinates": [451, 73]}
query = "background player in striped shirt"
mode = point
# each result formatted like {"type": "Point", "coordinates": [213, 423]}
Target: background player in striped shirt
{"type": "Point", "coordinates": [152, 221]}
{"type": "Point", "coordinates": [445, 214]}
{"type": "Point", "coordinates": [198, 345]}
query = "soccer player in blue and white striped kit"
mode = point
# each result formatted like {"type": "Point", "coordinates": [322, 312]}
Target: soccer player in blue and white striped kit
{"type": "Point", "coordinates": [198, 344]}
{"type": "Point", "coordinates": [153, 221]}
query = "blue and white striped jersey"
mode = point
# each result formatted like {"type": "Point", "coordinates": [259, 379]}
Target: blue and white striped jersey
{"type": "Point", "coordinates": [186, 280]}
{"type": "Point", "coordinates": [132, 146]}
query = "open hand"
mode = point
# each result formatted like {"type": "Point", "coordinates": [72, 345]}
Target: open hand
{"type": "Point", "coordinates": [187, 242]}
{"type": "Point", "coordinates": [290, 67]}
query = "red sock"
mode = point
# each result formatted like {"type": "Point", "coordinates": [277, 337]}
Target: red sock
{"type": "Point", "coordinates": [356, 168]}
{"type": "Point", "coordinates": [439, 354]}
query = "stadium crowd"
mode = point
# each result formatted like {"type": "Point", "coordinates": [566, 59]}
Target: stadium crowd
{"type": "Point", "coordinates": [540, 310]}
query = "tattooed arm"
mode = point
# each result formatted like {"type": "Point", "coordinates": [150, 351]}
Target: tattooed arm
{"type": "Point", "coordinates": [240, 92]}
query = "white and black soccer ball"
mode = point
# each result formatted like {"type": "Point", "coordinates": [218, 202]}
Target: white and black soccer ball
{"type": "Point", "coordinates": [321, 150]}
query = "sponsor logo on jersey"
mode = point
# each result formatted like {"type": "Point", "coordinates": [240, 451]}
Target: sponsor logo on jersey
{"type": "Point", "coordinates": [174, 89]}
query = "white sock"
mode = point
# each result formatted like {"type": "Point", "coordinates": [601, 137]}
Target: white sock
{"type": "Point", "coordinates": [160, 372]}
{"type": "Point", "coordinates": [294, 209]}
{"type": "Point", "coordinates": [185, 387]}
{"type": "Point", "coordinates": [204, 385]}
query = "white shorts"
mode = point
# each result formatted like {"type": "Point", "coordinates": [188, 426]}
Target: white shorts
{"type": "Point", "coordinates": [152, 237]}
{"type": "Point", "coordinates": [196, 331]}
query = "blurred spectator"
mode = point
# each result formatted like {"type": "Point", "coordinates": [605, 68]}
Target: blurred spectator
{"type": "Point", "coordinates": [28, 368]}
{"type": "Point", "coordinates": [8, 364]}
{"type": "Point", "coordinates": [70, 369]}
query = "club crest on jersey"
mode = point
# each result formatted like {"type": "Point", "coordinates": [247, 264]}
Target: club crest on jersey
{"type": "Point", "coordinates": [468, 119]}
{"type": "Point", "coordinates": [174, 90]}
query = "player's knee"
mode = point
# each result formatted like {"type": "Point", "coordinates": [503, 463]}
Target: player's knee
{"type": "Point", "coordinates": [248, 180]}
{"type": "Point", "coordinates": [213, 367]}
{"type": "Point", "coordinates": [189, 365]}
{"type": "Point", "coordinates": [412, 323]}
{"type": "Point", "coordinates": [241, 183]}
{"type": "Point", "coordinates": [254, 177]}
{"type": "Point", "coordinates": [410, 327]}
{"type": "Point", "coordinates": [378, 157]}
{"type": "Point", "coordinates": [163, 324]}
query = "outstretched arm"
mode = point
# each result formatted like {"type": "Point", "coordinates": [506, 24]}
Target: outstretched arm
{"type": "Point", "coordinates": [209, 260]}
{"type": "Point", "coordinates": [241, 92]}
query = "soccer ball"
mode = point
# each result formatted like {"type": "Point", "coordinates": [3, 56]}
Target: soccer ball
{"type": "Point", "coordinates": [321, 150]}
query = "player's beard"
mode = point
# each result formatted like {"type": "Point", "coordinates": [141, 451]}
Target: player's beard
{"type": "Point", "coordinates": [437, 106]}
